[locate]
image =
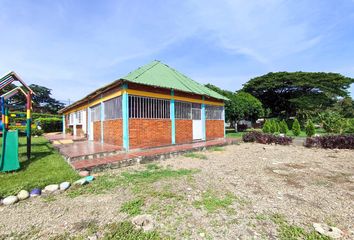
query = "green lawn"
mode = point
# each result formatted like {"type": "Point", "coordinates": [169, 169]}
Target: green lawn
{"type": "Point", "coordinates": [46, 167]}
{"type": "Point", "coordinates": [232, 134]}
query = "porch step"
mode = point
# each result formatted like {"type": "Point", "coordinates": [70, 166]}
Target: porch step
{"type": "Point", "coordinates": [92, 156]}
{"type": "Point", "coordinates": [143, 156]}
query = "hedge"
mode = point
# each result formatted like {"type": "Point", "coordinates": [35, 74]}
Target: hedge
{"type": "Point", "coordinates": [50, 124]}
{"type": "Point", "coordinates": [331, 141]}
{"type": "Point", "coordinates": [266, 138]}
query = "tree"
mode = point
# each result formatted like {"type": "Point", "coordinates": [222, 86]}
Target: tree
{"type": "Point", "coordinates": [310, 128]}
{"type": "Point", "coordinates": [240, 106]}
{"type": "Point", "coordinates": [41, 101]}
{"type": "Point", "coordinates": [287, 93]}
{"type": "Point", "coordinates": [345, 107]}
{"type": "Point", "coordinates": [296, 128]}
{"type": "Point", "coordinates": [283, 127]}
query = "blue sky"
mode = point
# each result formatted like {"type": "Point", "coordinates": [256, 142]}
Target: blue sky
{"type": "Point", "coordinates": [74, 47]}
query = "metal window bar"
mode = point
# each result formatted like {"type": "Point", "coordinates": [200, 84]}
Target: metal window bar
{"type": "Point", "coordinates": [96, 113]}
{"type": "Point", "coordinates": [183, 110]}
{"type": "Point", "coordinates": [113, 108]}
{"type": "Point", "coordinates": [145, 107]}
{"type": "Point", "coordinates": [214, 112]}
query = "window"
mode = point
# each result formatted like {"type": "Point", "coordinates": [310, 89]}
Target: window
{"type": "Point", "coordinates": [96, 113]}
{"type": "Point", "coordinates": [183, 110]}
{"type": "Point", "coordinates": [214, 112]}
{"type": "Point", "coordinates": [196, 111]}
{"type": "Point", "coordinates": [71, 118]}
{"type": "Point", "coordinates": [78, 117]}
{"type": "Point", "coordinates": [113, 108]}
{"type": "Point", "coordinates": [144, 107]}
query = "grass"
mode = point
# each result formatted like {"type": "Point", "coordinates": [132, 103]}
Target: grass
{"type": "Point", "coordinates": [195, 155]}
{"type": "Point", "coordinates": [212, 203]}
{"type": "Point", "coordinates": [45, 167]}
{"type": "Point", "coordinates": [287, 231]}
{"type": "Point", "coordinates": [132, 207]}
{"type": "Point", "coordinates": [216, 149]}
{"type": "Point", "coordinates": [151, 174]}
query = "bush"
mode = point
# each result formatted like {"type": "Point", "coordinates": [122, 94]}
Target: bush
{"type": "Point", "coordinates": [283, 127]}
{"type": "Point", "coordinates": [23, 130]}
{"type": "Point", "coordinates": [332, 122]}
{"type": "Point", "coordinates": [350, 126]}
{"type": "Point", "coordinates": [266, 138]}
{"type": "Point", "coordinates": [296, 128]}
{"type": "Point", "coordinates": [331, 141]}
{"type": "Point", "coordinates": [36, 132]}
{"type": "Point", "coordinates": [50, 124]}
{"type": "Point", "coordinates": [273, 126]}
{"type": "Point", "coordinates": [266, 127]}
{"type": "Point", "coordinates": [310, 128]}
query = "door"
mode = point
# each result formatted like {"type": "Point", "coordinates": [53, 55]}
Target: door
{"type": "Point", "coordinates": [197, 121]}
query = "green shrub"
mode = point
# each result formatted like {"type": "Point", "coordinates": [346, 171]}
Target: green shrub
{"type": "Point", "coordinates": [23, 130]}
{"type": "Point", "coordinates": [333, 122]}
{"type": "Point", "coordinates": [310, 128]}
{"type": "Point", "coordinates": [276, 126]}
{"type": "Point", "coordinates": [283, 127]}
{"type": "Point", "coordinates": [296, 128]}
{"type": "Point", "coordinates": [273, 126]}
{"type": "Point", "coordinates": [50, 124]}
{"type": "Point", "coordinates": [36, 132]}
{"type": "Point", "coordinates": [350, 126]}
{"type": "Point", "coordinates": [266, 127]}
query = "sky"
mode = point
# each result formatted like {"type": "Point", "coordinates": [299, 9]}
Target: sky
{"type": "Point", "coordinates": [74, 47]}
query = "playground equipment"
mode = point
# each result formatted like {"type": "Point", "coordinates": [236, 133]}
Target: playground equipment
{"type": "Point", "coordinates": [9, 154]}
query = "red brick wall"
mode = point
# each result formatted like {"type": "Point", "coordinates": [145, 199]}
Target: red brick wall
{"type": "Point", "coordinates": [184, 131]}
{"type": "Point", "coordinates": [97, 131]}
{"type": "Point", "coordinates": [214, 129]}
{"type": "Point", "coordinates": [145, 133]}
{"type": "Point", "coordinates": [79, 131]}
{"type": "Point", "coordinates": [113, 131]}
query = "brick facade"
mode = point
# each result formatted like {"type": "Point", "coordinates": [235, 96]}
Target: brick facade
{"type": "Point", "coordinates": [113, 131]}
{"type": "Point", "coordinates": [97, 131]}
{"type": "Point", "coordinates": [184, 131]}
{"type": "Point", "coordinates": [145, 133]}
{"type": "Point", "coordinates": [214, 129]}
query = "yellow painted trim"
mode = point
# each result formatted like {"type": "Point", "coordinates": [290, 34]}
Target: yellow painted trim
{"type": "Point", "coordinates": [28, 114]}
{"type": "Point", "coordinates": [165, 96]}
{"type": "Point", "coordinates": [113, 95]}
{"type": "Point", "coordinates": [6, 120]}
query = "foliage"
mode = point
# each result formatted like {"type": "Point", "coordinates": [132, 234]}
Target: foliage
{"type": "Point", "coordinates": [195, 155]}
{"type": "Point", "coordinates": [213, 203]}
{"type": "Point", "coordinates": [241, 106]}
{"type": "Point", "coordinates": [293, 232]}
{"type": "Point", "coordinates": [345, 107]}
{"type": "Point", "coordinates": [310, 128]}
{"type": "Point", "coordinates": [45, 167]}
{"type": "Point", "coordinates": [296, 128]}
{"type": "Point", "coordinates": [23, 130]}
{"type": "Point", "coordinates": [285, 93]}
{"type": "Point", "coordinates": [50, 124]}
{"type": "Point", "coordinates": [267, 126]}
{"type": "Point", "coordinates": [132, 207]}
{"type": "Point", "coordinates": [127, 231]}
{"type": "Point", "coordinates": [283, 127]}
{"type": "Point", "coordinates": [350, 126]}
{"type": "Point", "coordinates": [332, 122]}
{"type": "Point", "coordinates": [274, 126]}
{"type": "Point", "coordinates": [331, 141]}
{"type": "Point", "coordinates": [266, 138]}
{"type": "Point", "coordinates": [41, 101]}
{"type": "Point", "coordinates": [21, 117]}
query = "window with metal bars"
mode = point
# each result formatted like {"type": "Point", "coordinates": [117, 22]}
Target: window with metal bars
{"type": "Point", "coordinates": [214, 112]}
{"type": "Point", "coordinates": [183, 110]}
{"type": "Point", "coordinates": [113, 108]}
{"type": "Point", "coordinates": [145, 107]}
{"type": "Point", "coordinates": [96, 113]}
{"type": "Point", "coordinates": [71, 118]}
{"type": "Point", "coordinates": [196, 111]}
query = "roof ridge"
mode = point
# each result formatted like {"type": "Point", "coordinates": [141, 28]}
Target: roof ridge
{"type": "Point", "coordinates": [155, 63]}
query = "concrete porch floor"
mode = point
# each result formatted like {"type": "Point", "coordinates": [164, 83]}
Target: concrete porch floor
{"type": "Point", "coordinates": [120, 158]}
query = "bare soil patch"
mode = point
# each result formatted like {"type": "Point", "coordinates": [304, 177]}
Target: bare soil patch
{"type": "Point", "coordinates": [233, 194]}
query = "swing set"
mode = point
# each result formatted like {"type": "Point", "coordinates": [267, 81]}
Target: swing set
{"type": "Point", "coordinates": [9, 153]}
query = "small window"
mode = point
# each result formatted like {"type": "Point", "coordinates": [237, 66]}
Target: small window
{"type": "Point", "coordinates": [78, 117]}
{"type": "Point", "coordinates": [71, 118]}
{"type": "Point", "coordinates": [183, 110]}
{"type": "Point", "coordinates": [96, 113]}
{"type": "Point", "coordinates": [214, 112]}
{"type": "Point", "coordinates": [113, 108]}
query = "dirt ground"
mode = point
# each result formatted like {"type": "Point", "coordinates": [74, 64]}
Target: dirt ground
{"type": "Point", "coordinates": [305, 186]}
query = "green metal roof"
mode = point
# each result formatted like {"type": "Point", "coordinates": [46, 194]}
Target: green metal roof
{"type": "Point", "coordinates": [161, 75]}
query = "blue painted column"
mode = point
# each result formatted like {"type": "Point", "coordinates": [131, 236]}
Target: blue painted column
{"type": "Point", "coordinates": [125, 115]}
{"type": "Point", "coordinates": [203, 120]}
{"type": "Point", "coordinates": [223, 115]}
{"type": "Point", "coordinates": [173, 119]}
{"type": "Point", "coordinates": [102, 120]}
{"type": "Point", "coordinates": [64, 130]}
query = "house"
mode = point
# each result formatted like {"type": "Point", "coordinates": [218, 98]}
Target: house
{"type": "Point", "coordinates": [152, 106]}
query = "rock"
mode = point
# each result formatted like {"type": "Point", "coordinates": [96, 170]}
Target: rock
{"type": "Point", "coordinates": [84, 173]}
{"type": "Point", "coordinates": [328, 231]}
{"type": "Point", "coordinates": [22, 195]}
{"type": "Point", "coordinates": [51, 188]}
{"type": "Point", "coordinates": [202, 234]}
{"type": "Point", "coordinates": [93, 237]}
{"type": "Point", "coordinates": [35, 192]}
{"type": "Point", "coordinates": [144, 222]}
{"type": "Point", "coordinates": [10, 200]}
{"type": "Point", "coordinates": [64, 186]}
{"type": "Point", "coordinates": [281, 172]}
{"type": "Point", "coordinates": [81, 181]}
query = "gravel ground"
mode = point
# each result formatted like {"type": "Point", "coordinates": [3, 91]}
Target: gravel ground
{"type": "Point", "coordinates": [303, 185]}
